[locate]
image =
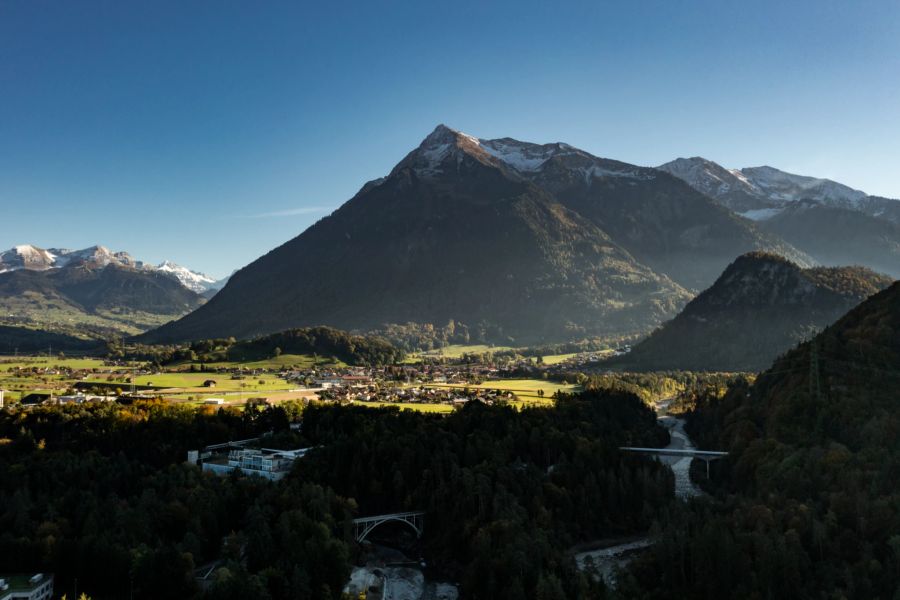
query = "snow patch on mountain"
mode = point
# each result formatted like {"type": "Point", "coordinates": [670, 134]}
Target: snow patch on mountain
{"type": "Point", "coordinates": [710, 178]}
{"type": "Point", "coordinates": [520, 156]}
{"type": "Point", "coordinates": [27, 256]}
{"type": "Point", "coordinates": [192, 280]}
{"type": "Point", "coordinates": [444, 145]}
{"type": "Point", "coordinates": [752, 190]}
{"type": "Point", "coordinates": [788, 187]}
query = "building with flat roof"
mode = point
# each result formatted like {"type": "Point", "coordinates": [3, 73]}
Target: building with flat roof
{"type": "Point", "coordinates": [26, 587]}
{"type": "Point", "coordinates": [263, 462]}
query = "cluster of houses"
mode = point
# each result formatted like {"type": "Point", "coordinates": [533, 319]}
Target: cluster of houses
{"type": "Point", "coordinates": [80, 398]}
{"type": "Point", "coordinates": [435, 388]}
{"type": "Point", "coordinates": [430, 382]}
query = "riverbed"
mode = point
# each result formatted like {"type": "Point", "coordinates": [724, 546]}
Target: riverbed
{"type": "Point", "coordinates": [606, 559]}
{"type": "Point", "coordinates": [388, 574]}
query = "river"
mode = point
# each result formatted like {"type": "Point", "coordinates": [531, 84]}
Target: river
{"type": "Point", "coordinates": [394, 578]}
{"type": "Point", "coordinates": [390, 575]}
{"type": "Point", "coordinates": [609, 557]}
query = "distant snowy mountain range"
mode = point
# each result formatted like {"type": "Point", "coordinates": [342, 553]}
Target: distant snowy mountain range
{"type": "Point", "coordinates": [31, 257]}
{"type": "Point", "coordinates": [760, 193]}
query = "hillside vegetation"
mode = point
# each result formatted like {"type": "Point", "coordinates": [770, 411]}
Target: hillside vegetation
{"type": "Point", "coordinates": [809, 504]}
{"type": "Point", "coordinates": [325, 343]}
{"type": "Point", "coordinates": [507, 493]}
{"type": "Point", "coordinates": [761, 306]}
{"type": "Point", "coordinates": [564, 246]}
{"type": "Point", "coordinates": [91, 302]}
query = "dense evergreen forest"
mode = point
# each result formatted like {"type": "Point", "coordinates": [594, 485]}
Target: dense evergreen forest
{"type": "Point", "coordinates": [325, 342]}
{"type": "Point", "coordinates": [807, 505]}
{"type": "Point", "coordinates": [506, 492]}
{"type": "Point", "coordinates": [810, 506]}
{"type": "Point", "coordinates": [101, 494]}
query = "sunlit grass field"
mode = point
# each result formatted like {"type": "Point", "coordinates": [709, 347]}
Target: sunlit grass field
{"type": "Point", "coordinates": [299, 361]}
{"type": "Point", "coordinates": [458, 350]}
{"type": "Point", "coordinates": [525, 390]}
{"type": "Point", "coordinates": [555, 359]}
{"type": "Point", "coordinates": [195, 381]}
{"type": "Point", "coordinates": [420, 407]}
{"type": "Point", "coordinates": [11, 362]}
{"type": "Point", "coordinates": [186, 386]}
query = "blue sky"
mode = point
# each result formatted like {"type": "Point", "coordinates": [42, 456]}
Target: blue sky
{"type": "Point", "coordinates": [210, 132]}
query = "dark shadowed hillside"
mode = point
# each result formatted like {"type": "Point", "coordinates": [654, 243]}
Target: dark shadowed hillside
{"type": "Point", "coordinates": [661, 220]}
{"type": "Point", "coordinates": [451, 233]}
{"type": "Point", "coordinates": [761, 306]}
{"type": "Point", "coordinates": [809, 491]}
{"type": "Point", "coordinates": [93, 301]}
{"type": "Point", "coordinates": [835, 236]}
{"type": "Point", "coordinates": [520, 241]}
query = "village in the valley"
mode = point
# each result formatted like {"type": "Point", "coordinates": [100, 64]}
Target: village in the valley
{"type": "Point", "coordinates": [429, 384]}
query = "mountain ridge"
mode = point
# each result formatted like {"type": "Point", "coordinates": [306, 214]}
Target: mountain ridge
{"type": "Point", "coordinates": [429, 230]}
{"type": "Point", "coordinates": [759, 193]}
{"type": "Point", "coordinates": [90, 300]}
{"type": "Point", "coordinates": [29, 256]}
{"type": "Point", "coordinates": [415, 245]}
{"type": "Point", "coordinates": [761, 306]}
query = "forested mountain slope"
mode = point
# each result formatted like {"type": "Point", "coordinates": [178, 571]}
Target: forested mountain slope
{"type": "Point", "coordinates": [522, 242]}
{"type": "Point", "coordinates": [451, 233]}
{"type": "Point", "coordinates": [761, 306]}
{"type": "Point", "coordinates": [809, 505]}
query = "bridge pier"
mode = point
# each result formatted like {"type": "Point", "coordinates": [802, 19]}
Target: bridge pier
{"type": "Point", "coordinates": [706, 456]}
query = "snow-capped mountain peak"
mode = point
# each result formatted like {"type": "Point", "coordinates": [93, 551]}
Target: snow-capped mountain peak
{"type": "Point", "coordinates": [193, 280]}
{"type": "Point", "coordinates": [707, 176]}
{"type": "Point", "coordinates": [789, 187]}
{"type": "Point", "coordinates": [760, 193]}
{"type": "Point", "coordinates": [98, 256]}
{"type": "Point", "coordinates": [444, 148]}
{"type": "Point", "coordinates": [522, 156]}
{"type": "Point", "coordinates": [28, 256]}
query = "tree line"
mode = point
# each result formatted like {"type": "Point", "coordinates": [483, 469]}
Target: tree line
{"type": "Point", "coordinates": [101, 493]}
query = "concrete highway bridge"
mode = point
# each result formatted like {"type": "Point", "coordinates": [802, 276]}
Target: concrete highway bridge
{"type": "Point", "coordinates": [705, 455]}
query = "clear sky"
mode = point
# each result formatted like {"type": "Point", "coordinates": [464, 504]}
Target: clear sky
{"type": "Point", "coordinates": [210, 132]}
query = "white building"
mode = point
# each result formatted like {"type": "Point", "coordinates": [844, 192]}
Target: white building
{"type": "Point", "coordinates": [80, 398]}
{"type": "Point", "coordinates": [263, 462]}
{"type": "Point", "coordinates": [26, 587]}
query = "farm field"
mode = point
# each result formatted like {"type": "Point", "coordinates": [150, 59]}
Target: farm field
{"type": "Point", "coordinates": [555, 359]}
{"type": "Point", "coordinates": [458, 350]}
{"type": "Point", "coordinates": [185, 386]}
{"type": "Point", "coordinates": [417, 406]}
{"type": "Point", "coordinates": [525, 390]}
{"type": "Point", "coordinates": [300, 361]}
{"type": "Point", "coordinates": [178, 382]}
{"type": "Point", "coordinates": [16, 386]}
{"type": "Point", "coordinates": [194, 382]}
{"type": "Point", "coordinates": [11, 362]}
